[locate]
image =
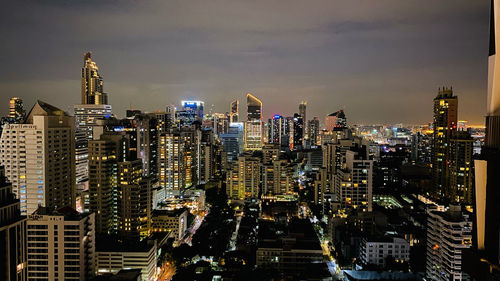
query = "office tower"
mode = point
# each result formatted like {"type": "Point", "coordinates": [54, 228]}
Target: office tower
{"type": "Point", "coordinates": [461, 168]}
{"type": "Point", "coordinates": [298, 131]}
{"type": "Point", "coordinates": [105, 152]}
{"type": "Point", "coordinates": [39, 158]}
{"type": "Point", "coordinates": [275, 125]}
{"type": "Point", "coordinates": [13, 254]}
{"type": "Point", "coordinates": [253, 125]}
{"type": "Point", "coordinates": [445, 122]}
{"type": "Point", "coordinates": [191, 111]}
{"type": "Point", "coordinates": [61, 245]}
{"type": "Point", "coordinates": [92, 83]}
{"type": "Point", "coordinates": [313, 131]}
{"type": "Point", "coordinates": [171, 160]}
{"type": "Point", "coordinates": [336, 121]}
{"type": "Point", "coordinates": [448, 234]}
{"type": "Point", "coordinates": [234, 112]}
{"type": "Point", "coordinates": [302, 112]}
{"type": "Point", "coordinates": [86, 117]}
{"type": "Point", "coordinates": [353, 184]}
{"type": "Point", "coordinates": [484, 260]}
{"type": "Point", "coordinates": [16, 110]}
{"type": "Point", "coordinates": [232, 142]}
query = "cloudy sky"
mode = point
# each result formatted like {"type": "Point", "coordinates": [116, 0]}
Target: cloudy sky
{"type": "Point", "coordinates": [380, 60]}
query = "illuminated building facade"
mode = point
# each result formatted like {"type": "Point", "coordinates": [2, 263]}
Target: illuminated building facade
{"type": "Point", "coordinates": [253, 125]}
{"type": "Point", "coordinates": [484, 261]}
{"type": "Point", "coordinates": [298, 131]}
{"type": "Point", "coordinates": [448, 234]}
{"type": "Point", "coordinates": [353, 185]}
{"type": "Point", "coordinates": [92, 83]}
{"type": "Point", "coordinates": [461, 168]}
{"type": "Point", "coordinates": [105, 152]}
{"type": "Point", "coordinates": [16, 110]}
{"type": "Point", "coordinates": [336, 121]}
{"type": "Point", "coordinates": [313, 131]}
{"type": "Point", "coordinates": [445, 123]}
{"type": "Point", "coordinates": [171, 160]}
{"type": "Point", "coordinates": [61, 245]}
{"type": "Point", "coordinates": [86, 116]}
{"type": "Point", "coordinates": [274, 127]}
{"type": "Point", "coordinates": [39, 158]}
{"type": "Point", "coordinates": [234, 111]}
{"type": "Point", "coordinates": [191, 111]}
{"type": "Point", "coordinates": [302, 113]}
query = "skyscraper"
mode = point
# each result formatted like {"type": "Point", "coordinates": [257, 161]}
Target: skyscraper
{"type": "Point", "coordinates": [313, 131]}
{"type": "Point", "coordinates": [302, 112]}
{"type": "Point", "coordinates": [39, 158]}
{"type": "Point", "coordinates": [253, 126]}
{"type": "Point", "coordinates": [445, 123]}
{"type": "Point", "coordinates": [233, 115]}
{"type": "Point", "coordinates": [92, 83]}
{"type": "Point", "coordinates": [484, 262]}
{"type": "Point", "coordinates": [336, 121]}
{"type": "Point", "coordinates": [13, 254]}
{"type": "Point", "coordinates": [86, 116]}
{"type": "Point", "coordinates": [298, 131]}
{"type": "Point", "coordinates": [274, 127]}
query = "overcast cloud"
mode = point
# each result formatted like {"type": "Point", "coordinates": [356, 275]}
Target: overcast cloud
{"type": "Point", "coordinates": [380, 60]}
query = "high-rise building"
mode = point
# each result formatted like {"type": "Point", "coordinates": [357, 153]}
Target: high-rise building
{"type": "Point", "coordinates": [191, 111]}
{"type": "Point", "coordinates": [234, 113]}
{"type": "Point", "coordinates": [302, 112]}
{"type": "Point", "coordinates": [253, 125]}
{"type": "Point", "coordinates": [243, 179]}
{"type": "Point", "coordinates": [354, 184]}
{"type": "Point", "coordinates": [16, 110]}
{"type": "Point", "coordinates": [92, 83]}
{"type": "Point", "coordinates": [336, 121]}
{"type": "Point", "coordinates": [134, 200]}
{"type": "Point", "coordinates": [86, 116]}
{"type": "Point", "coordinates": [232, 142]}
{"type": "Point", "coordinates": [298, 131]}
{"type": "Point", "coordinates": [448, 234]}
{"type": "Point", "coordinates": [445, 123]}
{"type": "Point", "coordinates": [461, 168]}
{"type": "Point", "coordinates": [484, 261]}
{"type": "Point", "coordinates": [13, 254]}
{"type": "Point", "coordinates": [275, 125]}
{"type": "Point", "coordinates": [105, 152]}
{"type": "Point", "coordinates": [171, 161]}
{"type": "Point", "coordinates": [313, 131]}
{"type": "Point", "coordinates": [39, 158]}
{"type": "Point", "coordinates": [61, 245]}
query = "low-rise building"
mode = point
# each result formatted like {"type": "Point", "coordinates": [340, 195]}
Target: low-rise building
{"type": "Point", "coordinates": [376, 250]}
{"type": "Point", "coordinates": [113, 256]}
{"type": "Point", "coordinates": [174, 221]}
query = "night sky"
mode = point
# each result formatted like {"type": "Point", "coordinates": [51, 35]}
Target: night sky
{"type": "Point", "coordinates": [380, 60]}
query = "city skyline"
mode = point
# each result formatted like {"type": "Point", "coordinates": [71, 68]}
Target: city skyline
{"type": "Point", "coordinates": [310, 53]}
